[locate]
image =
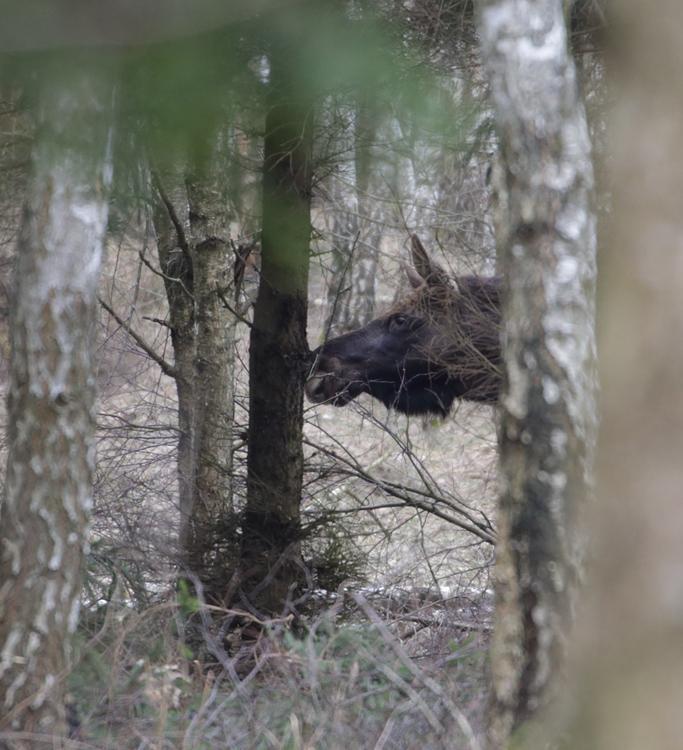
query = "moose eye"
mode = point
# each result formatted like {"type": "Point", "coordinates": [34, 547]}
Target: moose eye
{"type": "Point", "coordinates": [399, 322]}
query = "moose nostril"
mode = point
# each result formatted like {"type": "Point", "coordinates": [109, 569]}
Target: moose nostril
{"type": "Point", "coordinates": [323, 381]}
{"type": "Point", "coordinates": [314, 387]}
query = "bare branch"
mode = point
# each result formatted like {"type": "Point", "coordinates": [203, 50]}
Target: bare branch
{"type": "Point", "coordinates": [173, 216]}
{"type": "Point", "coordinates": [413, 497]}
{"type": "Point", "coordinates": [166, 276]}
{"type": "Point", "coordinates": [158, 321]}
{"type": "Point", "coordinates": [166, 368]}
{"type": "Point", "coordinates": [236, 313]}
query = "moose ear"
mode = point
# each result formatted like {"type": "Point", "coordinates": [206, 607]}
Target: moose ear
{"type": "Point", "coordinates": [420, 258]}
{"type": "Point", "coordinates": [416, 281]}
{"type": "Point", "coordinates": [429, 272]}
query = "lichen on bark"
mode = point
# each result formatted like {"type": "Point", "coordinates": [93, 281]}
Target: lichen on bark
{"type": "Point", "coordinates": [48, 492]}
{"type": "Point", "coordinates": [547, 430]}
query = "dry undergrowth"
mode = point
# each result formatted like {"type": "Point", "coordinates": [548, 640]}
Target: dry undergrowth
{"type": "Point", "coordinates": [363, 672]}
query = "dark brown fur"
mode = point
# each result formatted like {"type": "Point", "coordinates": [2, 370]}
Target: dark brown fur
{"type": "Point", "coordinates": [439, 344]}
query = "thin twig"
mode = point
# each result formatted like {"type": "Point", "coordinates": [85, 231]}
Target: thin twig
{"type": "Point", "coordinates": [236, 313]}
{"type": "Point", "coordinates": [158, 321]}
{"type": "Point", "coordinates": [173, 216]}
{"type": "Point", "coordinates": [166, 368]}
{"type": "Point", "coordinates": [411, 496]}
{"type": "Point", "coordinates": [427, 681]}
{"type": "Point", "coordinates": [338, 293]}
{"type": "Point", "coordinates": [166, 276]}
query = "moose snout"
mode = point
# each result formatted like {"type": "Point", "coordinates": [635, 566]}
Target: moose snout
{"type": "Point", "coordinates": [315, 388]}
{"type": "Point", "coordinates": [319, 385]}
{"type": "Point", "coordinates": [327, 382]}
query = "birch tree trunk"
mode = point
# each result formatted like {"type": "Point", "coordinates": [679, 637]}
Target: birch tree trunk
{"type": "Point", "coordinates": [48, 493]}
{"type": "Point", "coordinates": [548, 404]}
{"type": "Point", "coordinates": [632, 669]}
{"type": "Point", "coordinates": [271, 557]}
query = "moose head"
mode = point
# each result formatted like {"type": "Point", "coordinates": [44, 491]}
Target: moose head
{"type": "Point", "coordinates": [438, 344]}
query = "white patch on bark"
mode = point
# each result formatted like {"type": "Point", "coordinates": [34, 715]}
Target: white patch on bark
{"type": "Point", "coordinates": [14, 550]}
{"type": "Point", "coordinates": [8, 657]}
{"type": "Point", "coordinates": [551, 391]}
{"type": "Point", "coordinates": [558, 442]}
{"type": "Point", "coordinates": [32, 645]}
{"type": "Point", "coordinates": [55, 561]}
{"type": "Point", "coordinates": [42, 694]}
{"type": "Point", "coordinates": [557, 577]}
{"type": "Point", "coordinates": [72, 620]}
{"type": "Point", "coordinates": [515, 399]}
{"type": "Point", "coordinates": [567, 267]}
{"type": "Point", "coordinates": [47, 607]}
{"type": "Point", "coordinates": [16, 683]}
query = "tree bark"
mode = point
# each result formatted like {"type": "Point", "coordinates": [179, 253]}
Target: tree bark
{"type": "Point", "coordinates": [271, 564]}
{"type": "Point", "coordinates": [14, 162]}
{"type": "Point", "coordinates": [176, 264]}
{"type": "Point", "coordinates": [356, 215]}
{"type": "Point", "coordinates": [548, 404]}
{"type": "Point", "coordinates": [194, 255]}
{"type": "Point", "coordinates": [359, 304]}
{"type": "Point", "coordinates": [48, 492]}
{"type": "Point", "coordinates": [342, 214]}
{"type": "Point", "coordinates": [632, 660]}
{"type": "Point", "coordinates": [211, 518]}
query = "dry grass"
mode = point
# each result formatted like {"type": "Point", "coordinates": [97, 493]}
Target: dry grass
{"type": "Point", "coordinates": [349, 677]}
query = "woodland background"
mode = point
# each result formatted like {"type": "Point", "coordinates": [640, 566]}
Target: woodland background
{"type": "Point", "coordinates": [346, 598]}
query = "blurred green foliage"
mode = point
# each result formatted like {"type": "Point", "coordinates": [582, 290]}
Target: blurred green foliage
{"type": "Point", "coordinates": [178, 83]}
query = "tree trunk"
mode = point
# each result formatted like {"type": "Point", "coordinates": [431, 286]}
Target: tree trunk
{"type": "Point", "coordinates": [14, 161]}
{"type": "Point", "coordinates": [176, 265]}
{"type": "Point", "coordinates": [356, 215]}
{"type": "Point", "coordinates": [212, 512]}
{"type": "Point", "coordinates": [548, 403]}
{"type": "Point", "coordinates": [271, 564]}
{"type": "Point", "coordinates": [195, 259]}
{"type": "Point", "coordinates": [630, 692]}
{"type": "Point", "coordinates": [48, 493]}
{"type": "Point", "coordinates": [359, 304]}
{"type": "Point", "coordinates": [342, 215]}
